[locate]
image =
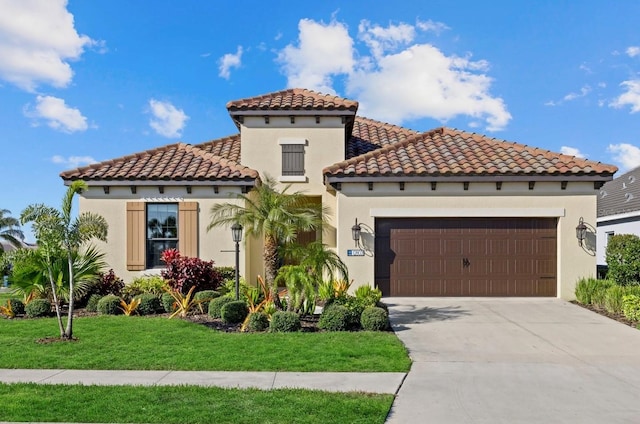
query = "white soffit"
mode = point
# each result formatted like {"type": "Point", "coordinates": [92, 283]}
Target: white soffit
{"type": "Point", "coordinates": [466, 212]}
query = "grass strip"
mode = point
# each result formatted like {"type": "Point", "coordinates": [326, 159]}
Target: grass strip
{"type": "Point", "coordinates": [186, 404]}
{"type": "Point", "coordinates": [140, 343]}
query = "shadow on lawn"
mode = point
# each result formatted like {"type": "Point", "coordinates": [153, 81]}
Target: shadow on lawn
{"type": "Point", "coordinates": [419, 315]}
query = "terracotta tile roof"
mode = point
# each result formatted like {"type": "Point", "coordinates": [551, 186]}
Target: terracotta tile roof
{"type": "Point", "coordinates": [369, 135]}
{"type": "Point", "coordinates": [450, 152]}
{"type": "Point", "coordinates": [226, 147]}
{"type": "Point", "coordinates": [293, 99]}
{"type": "Point", "coordinates": [173, 162]}
{"type": "Point", "coordinates": [621, 195]}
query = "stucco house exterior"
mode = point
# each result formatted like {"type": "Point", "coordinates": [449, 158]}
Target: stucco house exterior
{"type": "Point", "coordinates": [618, 210]}
{"type": "Point", "coordinates": [442, 213]}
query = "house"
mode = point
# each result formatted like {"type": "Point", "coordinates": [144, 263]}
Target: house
{"type": "Point", "coordinates": [618, 211]}
{"type": "Point", "coordinates": [442, 213]}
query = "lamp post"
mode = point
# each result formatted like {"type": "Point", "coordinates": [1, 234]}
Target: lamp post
{"type": "Point", "coordinates": [236, 233]}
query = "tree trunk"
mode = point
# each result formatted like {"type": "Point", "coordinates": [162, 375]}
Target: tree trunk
{"type": "Point", "coordinates": [68, 334]}
{"type": "Point", "coordinates": [56, 303]}
{"type": "Point", "coordinates": [270, 256]}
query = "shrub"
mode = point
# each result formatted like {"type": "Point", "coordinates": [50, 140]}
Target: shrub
{"type": "Point", "coordinates": [631, 307]}
{"type": "Point", "coordinates": [584, 290]}
{"type": "Point", "coordinates": [149, 304]}
{"type": "Point", "coordinates": [153, 284]}
{"type": "Point", "coordinates": [17, 306]}
{"type": "Point", "coordinates": [204, 297]}
{"type": "Point", "coordinates": [183, 272]}
{"type": "Point", "coordinates": [334, 318]}
{"type": "Point", "coordinates": [234, 312]}
{"type": "Point", "coordinates": [226, 272]}
{"type": "Point", "coordinates": [109, 305]}
{"type": "Point", "coordinates": [168, 302]}
{"type": "Point", "coordinates": [374, 319]}
{"type": "Point", "coordinates": [108, 283]}
{"type": "Point", "coordinates": [38, 308]}
{"type": "Point", "coordinates": [92, 303]}
{"type": "Point", "coordinates": [613, 299]}
{"type": "Point", "coordinates": [258, 321]}
{"type": "Point", "coordinates": [353, 305]}
{"type": "Point", "coordinates": [600, 291]}
{"type": "Point", "coordinates": [368, 296]}
{"type": "Point", "coordinates": [285, 322]}
{"type": "Point", "coordinates": [215, 306]}
{"type": "Point", "coordinates": [623, 259]}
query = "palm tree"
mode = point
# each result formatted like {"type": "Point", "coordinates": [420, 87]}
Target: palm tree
{"type": "Point", "coordinates": [58, 233]}
{"type": "Point", "coordinates": [320, 261]}
{"type": "Point", "coordinates": [9, 230]}
{"type": "Point", "coordinates": [276, 216]}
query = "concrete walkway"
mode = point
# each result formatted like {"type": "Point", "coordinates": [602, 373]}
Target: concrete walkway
{"type": "Point", "coordinates": [386, 382]}
{"type": "Point", "coordinates": [514, 361]}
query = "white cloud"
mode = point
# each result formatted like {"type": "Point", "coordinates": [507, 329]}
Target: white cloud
{"type": "Point", "coordinates": [626, 156]}
{"type": "Point", "coordinates": [633, 51]}
{"type": "Point", "coordinates": [380, 39]}
{"type": "Point", "coordinates": [423, 82]}
{"type": "Point", "coordinates": [37, 41]}
{"type": "Point", "coordinates": [58, 115]}
{"type": "Point", "coordinates": [322, 52]}
{"type": "Point", "coordinates": [583, 92]}
{"type": "Point", "coordinates": [631, 97]}
{"type": "Point", "coordinates": [73, 161]}
{"type": "Point", "coordinates": [431, 26]}
{"type": "Point", "coordinates": [571, 151]}
{"type": "Point", "coordinates": [167, 120]}
{"type": "Point", "coordinates": [229, 61]}
{"type": "Point", "coordinates": [398, 81]}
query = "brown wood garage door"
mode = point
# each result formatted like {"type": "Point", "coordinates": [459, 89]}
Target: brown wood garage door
{"type": "Point", "coordinates": [466, 256]}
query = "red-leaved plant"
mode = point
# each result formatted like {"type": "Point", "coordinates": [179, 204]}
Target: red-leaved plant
{"type": "Point", "coordinates": [183, 273]}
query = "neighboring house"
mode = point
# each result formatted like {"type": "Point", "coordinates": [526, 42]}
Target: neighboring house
{"type": "Point", "coordinates": [618, 210]}
{"type": "Point", "coordinates": [442, 213]}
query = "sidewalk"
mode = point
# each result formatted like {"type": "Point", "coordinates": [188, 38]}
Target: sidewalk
{"type": "Point", "coordinates": [385, 382]}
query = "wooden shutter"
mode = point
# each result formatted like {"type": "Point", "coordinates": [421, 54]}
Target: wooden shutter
{"type": "Point", "coordinates": [292, 159]}
{"type": "Point", "coordinates": [188, 229]}
{"type": "Point", "coordinates": [136, 237]}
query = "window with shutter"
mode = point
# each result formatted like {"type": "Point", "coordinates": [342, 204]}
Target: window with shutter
{"type": "Point", "coordinates": [292, 159]}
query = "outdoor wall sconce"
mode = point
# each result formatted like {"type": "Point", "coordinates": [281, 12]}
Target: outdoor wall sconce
{"type": "Point", "coordinates": [355, 233]}
{"type": "Point", "coordinates": [236, 234]}
{"type": "Point", "coordinates": [581, 231]}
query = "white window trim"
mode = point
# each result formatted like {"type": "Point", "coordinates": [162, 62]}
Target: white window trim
{"type": "Point", "coordinates": [293, 179]}
{"type": "Point", "coordinates": [282, 141]}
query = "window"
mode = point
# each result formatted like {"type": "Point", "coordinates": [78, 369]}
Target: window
{"type": "Point", "coordinates": [292, 159]}
{"type": "Point", "coordinates": [153, 227]}
{"type": "Point", "coordinates": [162, 231]}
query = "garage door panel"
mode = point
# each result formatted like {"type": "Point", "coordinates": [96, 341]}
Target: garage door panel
{"type": "Point", "coordinates": [504, 256]}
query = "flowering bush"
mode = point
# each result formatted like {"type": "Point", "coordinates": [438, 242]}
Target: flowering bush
{"type": "Point", "coordinates": [183, 273]}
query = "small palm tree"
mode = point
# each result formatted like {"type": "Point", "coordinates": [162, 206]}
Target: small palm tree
{"type": "Point", "coordinates": [320, 261]}
{"type": "Point", "coordinates": [58, 233]}
{"type": "Point", "coordinates": [276, 216]}
{"type": "Point", "coordinates": [9, 230]}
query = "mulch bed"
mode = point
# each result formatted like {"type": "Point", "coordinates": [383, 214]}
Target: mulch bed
{"type": "Point", "coordinates": [618, 317]}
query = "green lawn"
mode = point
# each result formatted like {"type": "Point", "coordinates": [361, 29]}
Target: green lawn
{"type": "Point", "coordinates": [186, 404]}
{"type": "Point", "coordinates": [140, 343]}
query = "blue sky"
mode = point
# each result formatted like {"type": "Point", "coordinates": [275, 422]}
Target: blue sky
{"type": "Point", "coordinates": [86, 81]}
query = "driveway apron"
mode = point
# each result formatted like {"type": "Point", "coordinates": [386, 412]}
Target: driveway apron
{"type": "Point", "coordinates": [481, 360]}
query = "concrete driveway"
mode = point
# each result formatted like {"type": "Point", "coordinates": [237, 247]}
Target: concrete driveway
{"type": "Point", "coordinates": [514, 361]}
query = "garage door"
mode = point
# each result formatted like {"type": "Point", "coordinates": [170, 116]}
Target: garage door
{"type": "Point", "coordinates": [466, 256]}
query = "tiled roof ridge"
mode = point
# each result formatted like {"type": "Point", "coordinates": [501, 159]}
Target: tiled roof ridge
{"type": "Point", "coordinates": [264, 101]}
{"type": "Point", "coordinates": [148, 152]}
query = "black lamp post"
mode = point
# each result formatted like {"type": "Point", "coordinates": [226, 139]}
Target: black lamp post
{"type": "Point", "coordinates": [236, 233]}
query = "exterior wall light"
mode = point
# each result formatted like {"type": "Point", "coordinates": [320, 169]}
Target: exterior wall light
{"type": "Point", "coordinates": [581, 231]}
{"type": "Point", "coordinates": [355, 233]}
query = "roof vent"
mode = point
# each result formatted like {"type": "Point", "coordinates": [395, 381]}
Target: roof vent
{"type": "Point", "coordinates": [628, 196]}
{"type": "Point", "coordinates": [624, 185]}
{"type": "Point", "coordinates": [632, 179]}
{"type": "Point", "coordinates": [603, 194]}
